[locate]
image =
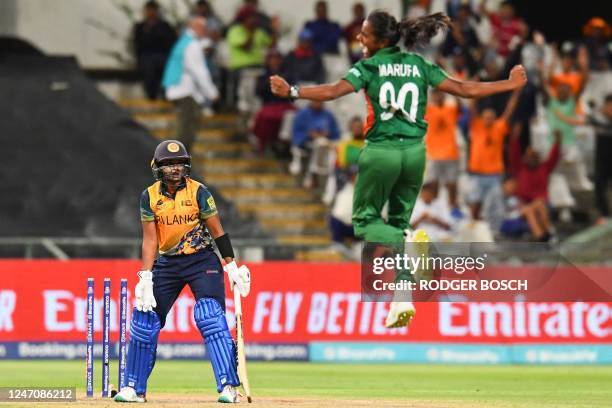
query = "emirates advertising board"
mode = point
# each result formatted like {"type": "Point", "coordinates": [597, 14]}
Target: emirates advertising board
{"type": "Point", "coordinates": [306, 312]}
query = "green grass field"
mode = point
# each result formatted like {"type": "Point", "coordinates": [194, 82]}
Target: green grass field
{"type": "Point", "coordinates": [308, 384]}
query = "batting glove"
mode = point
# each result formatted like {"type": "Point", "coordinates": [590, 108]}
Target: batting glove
{"type": "Point", "coordinates": [145, 300]}
{"type": "Point", "coordinates": [239, 277]}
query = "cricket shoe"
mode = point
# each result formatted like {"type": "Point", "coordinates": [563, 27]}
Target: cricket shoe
{"type": "Point", "coordinates": [416, 244]}
{"type": "Point", "coordinates": [417, 241]}
{"type": "Point", "coordinates": [400, 314]}
{"type": "Point", "coordinates": [228, 395]}
{"type": "Point", "coordinates": [128, 394]}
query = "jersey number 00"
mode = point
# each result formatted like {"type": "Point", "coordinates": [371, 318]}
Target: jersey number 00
{"type": "Point", "coordinates": [392, 105]}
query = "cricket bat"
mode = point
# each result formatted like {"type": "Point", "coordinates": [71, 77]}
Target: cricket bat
{"type": "Point", "coordinates": [242, 369]}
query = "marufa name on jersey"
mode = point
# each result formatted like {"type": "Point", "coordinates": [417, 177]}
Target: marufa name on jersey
{"type": "Point", "coordinates": [399, 70]}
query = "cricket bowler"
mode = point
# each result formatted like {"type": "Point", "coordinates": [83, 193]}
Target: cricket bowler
{"type": "Point", "coordinates": [392, 163]}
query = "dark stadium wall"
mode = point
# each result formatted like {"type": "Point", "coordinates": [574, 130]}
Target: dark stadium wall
{"type": "Point", "coordinates": [82, 161]}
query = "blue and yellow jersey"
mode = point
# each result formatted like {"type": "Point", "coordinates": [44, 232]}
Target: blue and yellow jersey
{"type": "Point", "coordinates": [348, 153]}
{"type": "Point", "coordinates": [179, 220]}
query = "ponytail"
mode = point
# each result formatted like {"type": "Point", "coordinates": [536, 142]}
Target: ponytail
{"type": "Point", "coordinates": [415, 32]}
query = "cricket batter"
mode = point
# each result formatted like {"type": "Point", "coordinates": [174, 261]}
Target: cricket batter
{"type": "Point", "coordinates": [180, 220]}
{"type": "Point", "coordinates": [392, 163]}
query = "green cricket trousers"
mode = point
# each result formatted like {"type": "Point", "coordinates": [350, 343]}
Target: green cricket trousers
{"type": "Point", "coordinates": [388, 171]}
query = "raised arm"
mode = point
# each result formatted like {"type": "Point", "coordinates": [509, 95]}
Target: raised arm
{"type": "Point", "coordinates": [515, 159]}
{"type": "Point", "coordinates": [511, 105]}
{"type": "Point", "coordinates": [326, 92]}
{"type": "Point", "coordinates": [554, 60]}
{"type": "Point", "coordinates": [583, 64]}
{"type": "Point", "coordinates": [482, 9]}
{"type": "Point", "coordinates": [543, 82]}
{"type": "Point", "coordinates": [473, 89]}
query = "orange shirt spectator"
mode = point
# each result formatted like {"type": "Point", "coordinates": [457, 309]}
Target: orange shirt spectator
{"type": "Point", "coordinates": [572, 78]}
{"type": "Point", "coordinates": [487, 146]}
{"type": "Point", "coordinates": [574, 73]}
{"type": "Point", "coordinates": [441, 138]}
{"type": "Point", "coordinates": [486, 158]}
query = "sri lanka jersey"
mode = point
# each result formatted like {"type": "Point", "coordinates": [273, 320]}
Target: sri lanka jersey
{"type": "Point", "coordinates": [179, 220]}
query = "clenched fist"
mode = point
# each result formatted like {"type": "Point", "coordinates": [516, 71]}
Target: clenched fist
{"type": "Point", "coordinates": [279, 86]}
{"type": "Point", "coordinates": [518, 76]}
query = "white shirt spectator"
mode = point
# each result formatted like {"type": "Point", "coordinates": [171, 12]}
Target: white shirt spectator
{"type": "Point", "coordinates": [439, 209]}
{"type": "Point", "coordinates": [195, 80]}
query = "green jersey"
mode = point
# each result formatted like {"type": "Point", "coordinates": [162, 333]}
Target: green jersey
{"type": "Point", "coordinates": [395, 85]}
{"type": "Point", "coordinates": [567, 108]}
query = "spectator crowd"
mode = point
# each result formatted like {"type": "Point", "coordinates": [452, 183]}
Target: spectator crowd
{"type": "Point", "coordinates": [510, 166]}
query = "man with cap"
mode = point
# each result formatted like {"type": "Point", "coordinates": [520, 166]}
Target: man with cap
{"type": "Point", "coordinates": [180, 222]}
{"type": "Point", "coordinates": [304, 63]}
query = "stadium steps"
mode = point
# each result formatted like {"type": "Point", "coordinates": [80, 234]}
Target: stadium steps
{"type": "Point", "coordinates": [289, 220]}
{"type": "Point", "coordinates": [155, 120]}
{"type": "Point", "coordinates": [304, 240]}
{"type": "Point", "coordinates": [267, 196]}
{"type": "Point", "coordinates": [224, 149]}
{"type": "Point", "coordinates": [203, 135]}
{"type": "Point", "coordinates": [239, 165]}
{"type": "Point", "coordinates": [142, 105]}
{"type": "Point", "coordinates": [249, 180]}
{"type": "Point", "coordinates": [167, 120]}
{"type": "Point", "coordinates": [284, 210]}
{"type": "Point", "coordinates": [260, 187]}
{"type": "Point", "coordinates": [295, 226]}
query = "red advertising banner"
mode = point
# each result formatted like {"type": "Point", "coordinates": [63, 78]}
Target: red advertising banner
{"type": "Point", "coordinates": [289, 302]}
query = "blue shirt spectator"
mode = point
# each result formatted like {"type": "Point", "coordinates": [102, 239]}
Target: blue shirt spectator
{"type": "Point", "coordinates": [325, 33]}
{"type": "Point", "coordinates": [312, 122]}
{"type": "Point", "coordinates": [304, 63]}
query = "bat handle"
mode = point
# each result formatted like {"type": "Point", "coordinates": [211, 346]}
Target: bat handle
{"type": "Point", "coordinates": [237, 302]}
